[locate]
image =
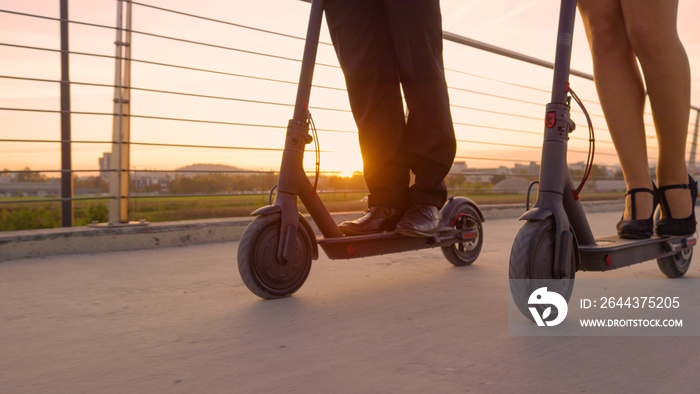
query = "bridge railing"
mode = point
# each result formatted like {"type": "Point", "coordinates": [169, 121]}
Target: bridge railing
{"type": "Point", "coordinates": [127, 115]}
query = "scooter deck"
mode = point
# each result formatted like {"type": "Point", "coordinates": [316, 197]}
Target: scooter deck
{"type": "Point", "coordinates": [612, 252]}
{"type": "Point", "coordinates": [391, 242]}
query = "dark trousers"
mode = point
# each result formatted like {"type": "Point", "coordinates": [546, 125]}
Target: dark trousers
{"type": "Point", "coordinates": [385, 46]}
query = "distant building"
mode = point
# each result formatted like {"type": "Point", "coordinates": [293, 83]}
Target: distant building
{"type": "Point", "coordinates": [513, 185]}
{"type": "Point", "coordinates": [148, 179]}
{"type": "Point", "coordinates": [31, 189]}
{"type": "Point", "coordinates": [502, 170]}
{"type": "Point", "coordinates": [608, 185]}
{"type": "Point", "coordinates": [105, 164]}
{"type": "Point", "coordinates": [531, 169]}
{"type": "Point", "coordinates": [481, 175]}
{"type": "Point", "coordinates": [458, 167]}
{"type": "Point", "coordinates": [200, 169]}
{"type": "Point", "coordinates": [578, 166]}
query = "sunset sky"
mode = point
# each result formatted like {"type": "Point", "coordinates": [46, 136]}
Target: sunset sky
{"type": "Point", "coordinates": [492, 130]}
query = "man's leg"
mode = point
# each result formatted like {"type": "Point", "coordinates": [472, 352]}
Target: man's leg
{"type": "Point", "coordinates": [365, 51]}
{"type": "Point", "coordinates": [363, 44]}
{"type": "Point", "coordinates": [429, 144]}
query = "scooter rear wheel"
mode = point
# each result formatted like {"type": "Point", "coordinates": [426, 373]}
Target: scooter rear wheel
{"type": "Point", "coordinates": [465, 217]}
{"type": "Point", "coordinates": [676, 265]}
{"type": "Point", "coordinates": [261, 271]}
{"type": "Point", "coordinates": [532, 261]}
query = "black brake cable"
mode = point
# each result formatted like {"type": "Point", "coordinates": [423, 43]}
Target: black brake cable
{"type": "Point", "coordinates": [591, 142]}
{"type": "Point", "coordinates": [317, 148]}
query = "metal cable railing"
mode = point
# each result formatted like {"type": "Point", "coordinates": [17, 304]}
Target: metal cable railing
{"type": "Point", "coordinates": [484, 130]}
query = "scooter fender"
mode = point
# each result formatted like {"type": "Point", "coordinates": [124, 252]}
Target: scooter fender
{"type": "Point", "coordinates": [537, 213]}
{"type": "Point", "coordinates": [272, 209]}
{"type": "Point", "coordinates": [565, 239]}
{"type": "Point", "coordinates": [452, 204]}
{"type": "Point", "coordinates": [266, 210]}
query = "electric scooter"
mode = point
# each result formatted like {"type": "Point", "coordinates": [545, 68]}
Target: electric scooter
{"type": "Point", "coordinates": [556, 240]}
{"type": "Point", "coordinates": [276, 249]}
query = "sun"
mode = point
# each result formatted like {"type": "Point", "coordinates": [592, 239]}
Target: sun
{"type": "Point", "coordinates": [348, 174]}
{"type": "Point", "coordinates": [346, 164]}
{"type": "Point", "coordinates": [340, 164]}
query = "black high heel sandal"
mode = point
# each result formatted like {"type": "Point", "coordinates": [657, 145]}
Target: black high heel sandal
{"type": "Point", "coordinates": [638, 228]}
{"type": "Point", "coordinates": [669, 226]}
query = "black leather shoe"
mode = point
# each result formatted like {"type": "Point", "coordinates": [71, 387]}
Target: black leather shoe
{"type": "Point", "coordinates": [638, 228]}
{"type": "Point", "coordinates": [669, 225]}
{"type": "Point", "coordinates": [421, 220]}
{"type": "Point", "coordinates": [375, 220]}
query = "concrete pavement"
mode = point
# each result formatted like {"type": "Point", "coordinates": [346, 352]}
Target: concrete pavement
{"type": "Point", "coordinates": [180, 320]}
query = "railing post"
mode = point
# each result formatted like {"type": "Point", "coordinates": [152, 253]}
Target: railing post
{"type": "Point", "coordinates": [66, 159]}
{"type": "Point", "coordinates": [120, 158]}
{"type": "Point", "coordinates": [693, 147]}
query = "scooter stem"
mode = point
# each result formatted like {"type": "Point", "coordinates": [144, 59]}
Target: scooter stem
{"type": "Point", "coordinates": [309, 60]}
{"type": "Point", "coordinates": [293, 181]}
{"type": "Point", "coordinates": [555, 197]}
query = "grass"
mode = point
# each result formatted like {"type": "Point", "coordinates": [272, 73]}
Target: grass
{"type": "Point", "coordinates": [28, 215]}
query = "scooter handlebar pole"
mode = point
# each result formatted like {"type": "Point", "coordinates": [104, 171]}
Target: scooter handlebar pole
{"type": "Point", "coordinates": [309, 60]}
{"type": "Point", "coordinates": [562, 61]}
{"type": "Point", "coordinates": [558, 125]}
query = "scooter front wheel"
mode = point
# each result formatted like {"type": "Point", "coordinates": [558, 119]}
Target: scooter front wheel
{"type": "Point", "coordinates": [465, 218]}
{"type": "Point", "coordinates": [261, 271]}
{"type": "Point", "coordinates": [532, 262]}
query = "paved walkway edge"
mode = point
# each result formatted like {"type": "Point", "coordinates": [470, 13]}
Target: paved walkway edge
{"type": "Point", "coordinates": [81, 240]}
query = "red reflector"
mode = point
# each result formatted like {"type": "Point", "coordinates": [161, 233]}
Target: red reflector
{"type": "Point", "coordinates": [551, 119]}
{"type": "Point", "coordinates": [608, 260]}
{"type": "Point", "coordinates": [351, 250]}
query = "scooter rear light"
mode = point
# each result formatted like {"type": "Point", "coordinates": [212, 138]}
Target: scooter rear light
{"type": "Point", "coordinates": [608, 260]}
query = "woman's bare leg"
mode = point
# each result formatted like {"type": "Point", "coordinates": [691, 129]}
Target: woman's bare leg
{"type": "Point", "coordinates": [621, 92]}
{"type": "Point", "coordinates": [653, 36]}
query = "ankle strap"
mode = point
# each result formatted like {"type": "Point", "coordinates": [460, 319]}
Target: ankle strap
{"type": "Point", "coordinates": [692, 185]}
{"type": "Point", "coordinates": [669, 187]}
{"type": "Point", "coordinates": [632, 193]}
